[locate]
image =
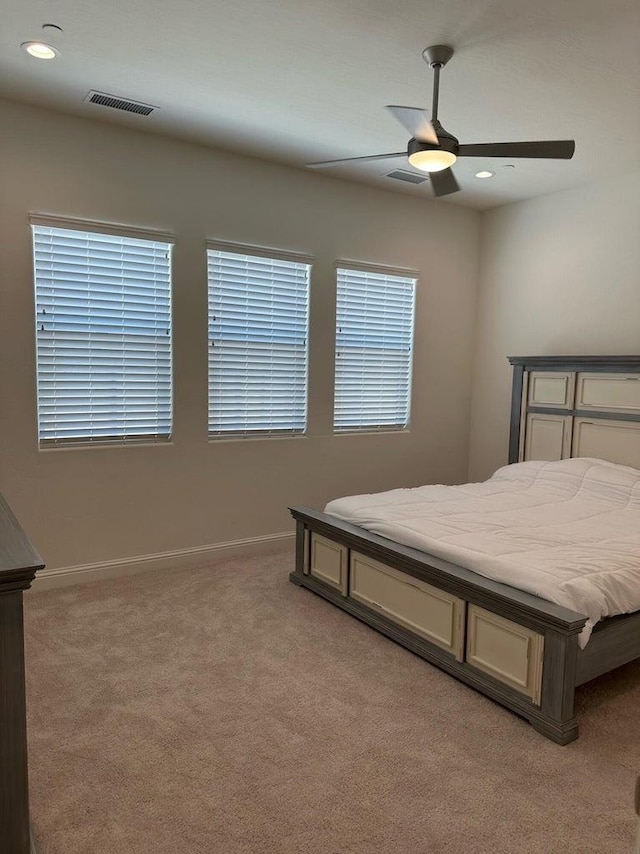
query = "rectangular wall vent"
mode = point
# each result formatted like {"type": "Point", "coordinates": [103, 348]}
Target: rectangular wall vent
{"type": "Point", "coordinates": [409, 177]}
{"type": "Point", "coordinates": [104, 100]}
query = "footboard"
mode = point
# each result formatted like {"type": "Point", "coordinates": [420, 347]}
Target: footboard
{"type": "Point", "coordinates": [514, 647]}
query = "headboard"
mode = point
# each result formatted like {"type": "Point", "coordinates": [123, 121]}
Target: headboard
{"type": "Point", "coordinates": [575, 406]}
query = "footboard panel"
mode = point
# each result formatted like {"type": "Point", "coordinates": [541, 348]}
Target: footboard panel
{"type": "Point", "coordinates": [515, 648]}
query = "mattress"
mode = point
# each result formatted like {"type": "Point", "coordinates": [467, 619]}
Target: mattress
{"type": "Point", "coordinates": [566, 531]}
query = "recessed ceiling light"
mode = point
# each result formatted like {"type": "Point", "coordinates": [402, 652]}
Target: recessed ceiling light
{"type": "Point", "coordinates": [485, 174]}
{"type": "Point", "coordinates": [40, 50]}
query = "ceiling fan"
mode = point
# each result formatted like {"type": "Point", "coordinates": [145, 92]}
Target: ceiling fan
{"type": "Point", "coordinates": [434, 150]}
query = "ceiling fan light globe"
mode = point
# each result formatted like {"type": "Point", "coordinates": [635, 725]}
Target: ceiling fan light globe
{"type": "Point", "coordinates": [434, 160]}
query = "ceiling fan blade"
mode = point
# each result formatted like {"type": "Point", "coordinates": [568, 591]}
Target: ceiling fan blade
{"type": "Point", "coordinates": [443, 182]}
{"type": "Point", "coordinates": [559, 149]}
{"type": "Point", "coordinates": [416, 122]}
{"type": "Point", "coordinates": [324, 163]}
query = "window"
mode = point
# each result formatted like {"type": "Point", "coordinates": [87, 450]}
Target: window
{"type": "Point", "coordinates": [258, 326]}
{"type": "Point", "coordinates": [103, 334]}
{"type": "Point", "coordinates": [374, 343]}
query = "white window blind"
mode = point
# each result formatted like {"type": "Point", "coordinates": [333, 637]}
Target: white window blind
{"type": "Point", "coordinates": [103, 336]}
{"type": "Point", "coordinates": [374, 343]}
{"type": "Point", "coordinates": [258, 327]}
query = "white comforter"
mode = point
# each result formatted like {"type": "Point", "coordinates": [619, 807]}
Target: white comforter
{"type": "Point", "coordinates": [567, 531]}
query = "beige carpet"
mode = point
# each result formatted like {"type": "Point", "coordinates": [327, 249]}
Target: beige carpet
{"type": "Point", "coordinates": [225, 711]}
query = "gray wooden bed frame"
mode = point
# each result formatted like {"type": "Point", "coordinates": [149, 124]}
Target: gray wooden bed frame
{"type": "Point", "coordinates": [507, 623]}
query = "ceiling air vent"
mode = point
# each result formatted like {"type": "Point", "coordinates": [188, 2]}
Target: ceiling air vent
{"type": "Point", "coordinates": [409, 177]}
{"type": "Point", "coordinates": [115, 103]}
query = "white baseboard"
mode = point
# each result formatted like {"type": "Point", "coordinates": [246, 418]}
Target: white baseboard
{"type": "Point", "coordinates": [46, 579]}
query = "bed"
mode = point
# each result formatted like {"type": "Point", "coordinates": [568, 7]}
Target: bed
{"type": "Point", "coordinates": [575, 431]}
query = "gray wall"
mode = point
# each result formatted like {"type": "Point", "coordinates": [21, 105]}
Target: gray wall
{"type": "Point", "coordinates": [96, 504]}
{"type": "Point", "coordinates": [558, 274]}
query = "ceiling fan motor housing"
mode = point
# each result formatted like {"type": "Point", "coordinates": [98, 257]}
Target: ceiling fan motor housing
{"type": "Point", "coordinates": [447, 143]}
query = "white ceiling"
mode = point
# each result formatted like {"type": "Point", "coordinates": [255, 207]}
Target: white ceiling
{"type": "Point", "coordinates": [302, 80]}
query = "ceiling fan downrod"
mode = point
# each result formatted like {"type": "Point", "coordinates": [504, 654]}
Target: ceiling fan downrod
{"type": "Point", "coordinates": [437, 57]}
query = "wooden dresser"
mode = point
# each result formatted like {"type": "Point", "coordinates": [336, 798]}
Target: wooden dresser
{"type": "Point", "coordinates": [18, 564]}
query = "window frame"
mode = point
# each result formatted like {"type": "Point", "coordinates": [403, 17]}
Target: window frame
{"type": "Point", "coordinates": [382, 270]}
{"type": "Point", "coordinates": [85, 226]}
{"type": "Point", "coordinates": [265, 254]}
